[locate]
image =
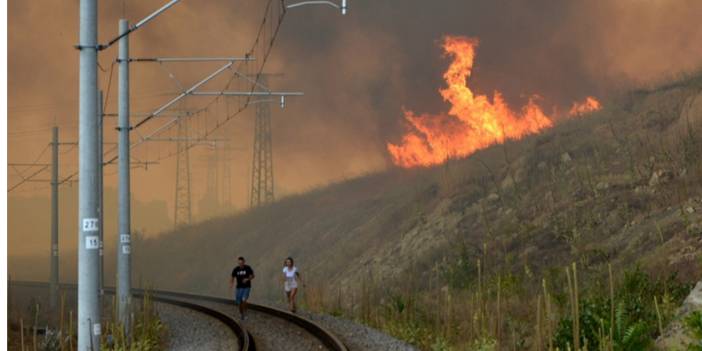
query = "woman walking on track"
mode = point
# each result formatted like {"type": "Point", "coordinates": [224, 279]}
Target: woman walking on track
{"type": "Point", "coordinates": [291, 275]}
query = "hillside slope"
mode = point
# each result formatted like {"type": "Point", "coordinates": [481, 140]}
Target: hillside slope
{"type": "Point", "coordinates": [609, 175]}
{"type": "Point", "coordinates": [622, 186]}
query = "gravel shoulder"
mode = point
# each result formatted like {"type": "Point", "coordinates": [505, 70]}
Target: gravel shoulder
{"type": "Point", "coordinates": [191, 330]}
{"type": "Point", "coordinates": [358, 337]}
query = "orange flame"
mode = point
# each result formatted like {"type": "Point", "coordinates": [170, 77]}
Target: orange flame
{"type": "Point", "coordinates": [581, 108]}
{"type": "Point", "coordinates": [473, 122]}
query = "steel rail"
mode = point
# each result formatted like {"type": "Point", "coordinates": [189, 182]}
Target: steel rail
{"type": "Point", "coordinates": [330, 340]}
{"type": "Point", "coordinates": [243, 337]}
{"type": "Point", "coordinates": [326, 337]}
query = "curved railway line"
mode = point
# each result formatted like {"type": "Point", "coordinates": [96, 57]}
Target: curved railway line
{"type": "Point", "coordinates": [221, 309]}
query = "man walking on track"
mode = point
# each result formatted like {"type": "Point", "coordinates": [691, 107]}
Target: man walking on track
{"type": "Point", "coordinates": [243, 275]}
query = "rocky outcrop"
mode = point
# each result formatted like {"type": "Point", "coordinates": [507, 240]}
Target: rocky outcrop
{"type": "Point", "coordinates": [675, 336]}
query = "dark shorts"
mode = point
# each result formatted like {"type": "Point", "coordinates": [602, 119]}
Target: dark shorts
{"type": "Point", "coordinates": [241, 294]}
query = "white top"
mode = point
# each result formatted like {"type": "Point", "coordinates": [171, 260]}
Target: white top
{"type": "Point", "coordinates": [290, 274]}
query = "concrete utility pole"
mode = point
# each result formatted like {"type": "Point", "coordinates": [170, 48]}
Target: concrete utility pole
{"type": "Point", "coordinates": [55, 182]}
{"type": "Point", "coordinates": [88, 327]}
{"type": "Point", "coordinates": [124, 249]}
{"type": "Point", "coordinates": [54, 277]}
{"type": "Point", "coordinates": [101, 202]}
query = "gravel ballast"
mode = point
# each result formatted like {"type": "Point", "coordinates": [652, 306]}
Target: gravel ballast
{"type": "Point", "coordinates": [269, 332]}
{"type": "Point", "coordinates": [191, 330]}
{"type": "Point", "coordinates": [273, 333]}
{"type": "Point", "coordinates": [357, 337]}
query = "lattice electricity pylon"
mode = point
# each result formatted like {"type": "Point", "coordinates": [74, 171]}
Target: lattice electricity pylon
{"type": "Point", "coordinates": [183, 213]}
{"type": "Point", "coordinates": [223, 176]}
{"type": "Point", "coordinates": [262, 190]}
{"type": "Point", "coordinates": [217, 199]}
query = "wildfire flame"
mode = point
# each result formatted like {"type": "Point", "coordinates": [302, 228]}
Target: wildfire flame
{"type": "Point", "coordinates": [580, 108]}
{"type": "Point", "coordinates": [473, 122]}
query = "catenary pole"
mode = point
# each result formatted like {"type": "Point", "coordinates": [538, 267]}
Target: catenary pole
{"type": "Point", "coordinates": [88, 327]}
{"type": "Point", "coordinates": [54, 278]}
{"type": "Point", "coordinates": [124, 244]}
{"type": "Point", "coordinates": [101, 199]}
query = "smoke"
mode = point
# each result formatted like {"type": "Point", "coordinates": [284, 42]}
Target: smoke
{"type": "Point", "coordinates": [638, 42]}
{"type": "Point", "coordinates": [357, 72]}
{"type": "Point", "coordinates": [386, 56]}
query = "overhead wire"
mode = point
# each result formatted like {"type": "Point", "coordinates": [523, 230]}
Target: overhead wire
{"type": "Point", "coordinates": [32, 164]}
{"type": "Point", "coordinates": [26, 132]}
{"type": "Point", "coordinates": [28, 178]}
{"type": "Point", "coordinates": [265, 50]}
{"type": "Point", "coordinates": [259, 71]}
{"type": "Point", "coordinates": [109, 85]}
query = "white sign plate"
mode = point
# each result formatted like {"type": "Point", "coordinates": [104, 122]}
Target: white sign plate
{"type": "Point", "coordinates": [92, 242]}
{"type": "Point", "coordinates": [90, 225]}
{"type": "Point", "coordinates": [97, 329]}
{"type": "Point", "coordinates": [126, 249]}
{"type": "Point", "coordinates": [125, 238]}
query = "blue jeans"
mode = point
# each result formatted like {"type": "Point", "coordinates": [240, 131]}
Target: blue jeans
{"type": "Point", "coordinates": [242, 294]}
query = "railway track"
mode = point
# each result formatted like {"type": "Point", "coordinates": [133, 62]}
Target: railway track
{"type": "Point", "coordinates": [218, 308]}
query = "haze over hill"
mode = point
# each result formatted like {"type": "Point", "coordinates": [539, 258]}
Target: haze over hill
{"type": "Point", "coordinates": [29, 228]}
{"type": "Point", "coordinates": [593, 189]}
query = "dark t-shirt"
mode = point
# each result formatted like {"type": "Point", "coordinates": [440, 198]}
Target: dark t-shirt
{"type": "Point", "coordinates": [240, 274]}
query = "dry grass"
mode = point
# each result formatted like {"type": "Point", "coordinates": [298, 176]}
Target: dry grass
{"type": "Point", "coordinates": [54, 330]}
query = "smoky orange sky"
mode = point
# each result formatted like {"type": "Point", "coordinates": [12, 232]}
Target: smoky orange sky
{"type": "Point", "coordinates": [357, 72]}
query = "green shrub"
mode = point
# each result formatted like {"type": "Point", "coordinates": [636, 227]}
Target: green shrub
{"type": "Point", "coordinates": [693, 326]}
{"type": "Point", "coordinates": [635, 323]}
{"type": "Point", "coordinates": [148, 332]}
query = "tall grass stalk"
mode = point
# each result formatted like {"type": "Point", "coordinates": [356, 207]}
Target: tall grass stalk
{"type": "Point", "coordinates": [70, 330]}
{"type": "Point", "coordinates": [498, 329]}
{"type": "Point", "coordinates": [22, 334]}
{"type": "Point", "coordinates": [34, 327]}
{"type": "Point", "coordinates": [572, 293]}
{"type": "Point", "coordinates": [61, 315]}
{"type": "Point", "coordinates": [480, 298]}
{"type": "Point", "coordinates": [658, 316]}
{"type": "Point", "coordinates": [539, 342]}
{"type": "Point", "coordinates": [611, 307]}
{"type": "Point", "coordinates": [577, 308]}
{"type": "Point", "coordinates": [449, 312]}
{"type": "Point", "coordinates": [549, 316]}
